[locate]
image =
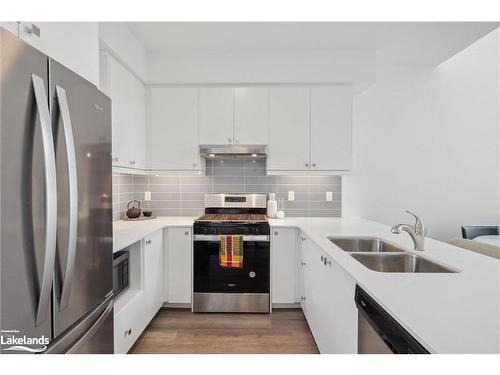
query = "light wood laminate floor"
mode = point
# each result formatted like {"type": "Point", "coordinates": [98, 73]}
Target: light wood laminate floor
{"type": "Point", "coordinates": [178, 331]}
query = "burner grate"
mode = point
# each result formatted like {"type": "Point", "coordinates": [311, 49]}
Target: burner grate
{"type": "Point", "coordinates": [233, 218]}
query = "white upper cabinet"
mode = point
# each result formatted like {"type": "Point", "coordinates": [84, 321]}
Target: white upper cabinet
{"type": "Point", "coordinates": [331, 128]}
{"type": "Point", "coordinates": [289, 126]}
{"type": "Point", "coordinates": [73, 44]}
{"type": "Point", "coordinates": [173, 137]}
{"type": "Point", "coordinates": [215, 115]}
{"type": "Point", "coordinates": [251, 115]}
{"type": "Point", "coordinates": [128, 115]}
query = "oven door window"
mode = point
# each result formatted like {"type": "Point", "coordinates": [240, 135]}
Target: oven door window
{"type": "Point", "coordinates": [210, 277]}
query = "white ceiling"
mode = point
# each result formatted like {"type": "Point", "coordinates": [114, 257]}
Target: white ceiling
{"type": "Point", "coordinates": [408, 43]}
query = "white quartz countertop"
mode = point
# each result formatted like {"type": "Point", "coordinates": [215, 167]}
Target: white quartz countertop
{"type": "Point", "coordinates": [447, 313]}
{"type": "Point", "coordinates": [125, 233]}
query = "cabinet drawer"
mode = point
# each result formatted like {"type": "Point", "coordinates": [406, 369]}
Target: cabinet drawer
{"type": "Point", "coordinates": [129, 324]}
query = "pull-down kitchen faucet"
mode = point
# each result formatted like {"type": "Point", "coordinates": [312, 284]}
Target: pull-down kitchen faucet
{"type": "Point", "coordinates": [416, 232]}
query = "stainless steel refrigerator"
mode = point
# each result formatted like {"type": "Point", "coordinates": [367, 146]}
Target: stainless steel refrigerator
{"type": "Point", "coordinates": [56, 208]}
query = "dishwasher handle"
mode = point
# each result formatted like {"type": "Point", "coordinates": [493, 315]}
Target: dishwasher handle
{"type": "Point", "coordinates": [388, 329]}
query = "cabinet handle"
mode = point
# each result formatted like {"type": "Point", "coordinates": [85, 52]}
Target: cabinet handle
{"type": "Point", "coordinates": [302, 298]}
{"type": "Point", "coordinates": [186, 233]}
{"type": "Point", "coordinates": [32, 29]}
{"type": "Point", "coordinates": [132, 162]}
{"type": "Point", "coordinates": [194, 164]}
{"type": "Point", "coordinates": [276, 233]}
{"type": "Point", "coordinates": [303, 239]}
{"type": "Point", "coordinates": [230, 140]}
{"type": "Point", "coordinates": [307, 164]}
{"type": "Point", "coordinates": [115, 160]}
{"type": "Point", "coordinates": [128, 332]}
{"type": "Point", "coordinates": [303, 264]}
{"type": "Point", "coordinates": [148, 242]}
{"type": "Point", "coordinates": [314, 164]}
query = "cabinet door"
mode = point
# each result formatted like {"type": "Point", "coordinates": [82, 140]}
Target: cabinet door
{"type": "Point", "coordinates": [331, 128]}
{"type": "Point", "coordinates": [289, 128]}
{"type": "Point", "coordinates": [173, 137]}
{"type": "Point", "coordinates": [216, 115]}
{"type": "Point", "coordinates": [328, 301]}
{"type": "Point", "coordinates": [317, 317]}
{"type": "Point", "coordinates": [305, 276]}
{"type": "Point", "coordinates": [251, 115]}
{"type": "Point", "coordinates": [153, 273]}
{"type": "Point", "coordinates": [72, 44]}
{"type": "Point", "coordinates": [178, 265]}
{"type": "Point", "coordinates": [118, 87]}
{"type": "Point", "coordinates": [128, 326]}
{"type": "Point", "coordinates": [343, 331]}
{"type": "Point", "coordinates": [284, 264]}
{"type": "Point", "coordinates": [128, 104]}
{"type": "Point", "coordinates": [137, 146]}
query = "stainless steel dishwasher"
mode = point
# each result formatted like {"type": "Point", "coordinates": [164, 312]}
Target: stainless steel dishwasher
{"type": "Point", "coordinates": [378, 331]}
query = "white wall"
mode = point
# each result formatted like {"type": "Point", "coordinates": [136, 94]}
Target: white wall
{"type": "Point", "coordinates": [116, 38]}
{"type": "Point", "coordinates": [285, 66]}
{"type": "Point", "coordinates": [428, 140]}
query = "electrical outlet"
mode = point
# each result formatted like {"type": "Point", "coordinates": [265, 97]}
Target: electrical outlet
{"type": "Point", "coordinates": [329, 196]}
{"type": "Point", "coordinates": [147, 195]}
{"type": "Point", "coordinates": [291, 195]}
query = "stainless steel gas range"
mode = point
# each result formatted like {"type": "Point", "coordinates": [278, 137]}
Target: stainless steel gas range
{"type": "Point", "coordinates": [223, 289]}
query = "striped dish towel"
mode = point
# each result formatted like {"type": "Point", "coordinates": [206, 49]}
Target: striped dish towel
{"type": "Point", "coordinates": [231, 251]}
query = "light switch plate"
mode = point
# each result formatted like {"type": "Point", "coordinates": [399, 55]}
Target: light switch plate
{"type": "Point", "coordinates": [147, 195]}
{"type": "Point", "coordinates": [291, 195]}
{"type": "Point", "coordinates": [329, 196]}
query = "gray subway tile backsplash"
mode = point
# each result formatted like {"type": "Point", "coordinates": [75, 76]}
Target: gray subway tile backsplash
{"type": "Point", "coordinates": [184, 195]}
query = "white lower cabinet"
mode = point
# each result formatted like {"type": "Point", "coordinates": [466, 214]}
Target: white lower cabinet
{"type": "Point", "coordinates": [343, 332]}
{"type": "Point", "coordinates": [138, 305]}
{"type": "Point", "coordinates": [178, 273]}
{"type": "Point", "coordinates": [327, 294]}
{"type": "Point", "coordinates": [283, 281]}
{"type": "Point", "coordinates": [128, 325]}
{"type": "Point", "coordinates": [153, 274]}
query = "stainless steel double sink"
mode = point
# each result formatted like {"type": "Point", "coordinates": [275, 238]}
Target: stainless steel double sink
{"type": "Point", "coordinates": [381, 256]}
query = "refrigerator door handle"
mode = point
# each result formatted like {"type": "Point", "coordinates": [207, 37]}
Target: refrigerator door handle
{"type": "Point", "coordinates": [62, 102]}
{"type": "Point", "coordinates": [92, 330]}
{"type": "Point", "coordinates": [50, 199]}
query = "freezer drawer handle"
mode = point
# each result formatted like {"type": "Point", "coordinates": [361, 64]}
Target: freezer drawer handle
{"type": "Point", "coordinates": [62, 102]}
{"type": "Point", "coordinates": [50, 199]}
{"type": "Point", "coordinates": [92, 330]}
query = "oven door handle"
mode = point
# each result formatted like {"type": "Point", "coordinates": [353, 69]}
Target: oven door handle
{"type": "Point", "coordinates": [216, 238]}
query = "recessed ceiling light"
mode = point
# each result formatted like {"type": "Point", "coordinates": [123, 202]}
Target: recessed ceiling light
{"type": "Point", "coordinates": [212, 155]}
{"type": "Point", "coordinates": [254, 155]}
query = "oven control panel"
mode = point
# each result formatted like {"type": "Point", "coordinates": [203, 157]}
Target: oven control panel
{"type": "Point", "coordinates": [231, 228]}
{"type": "Point", "coordinates": [235, 199]}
